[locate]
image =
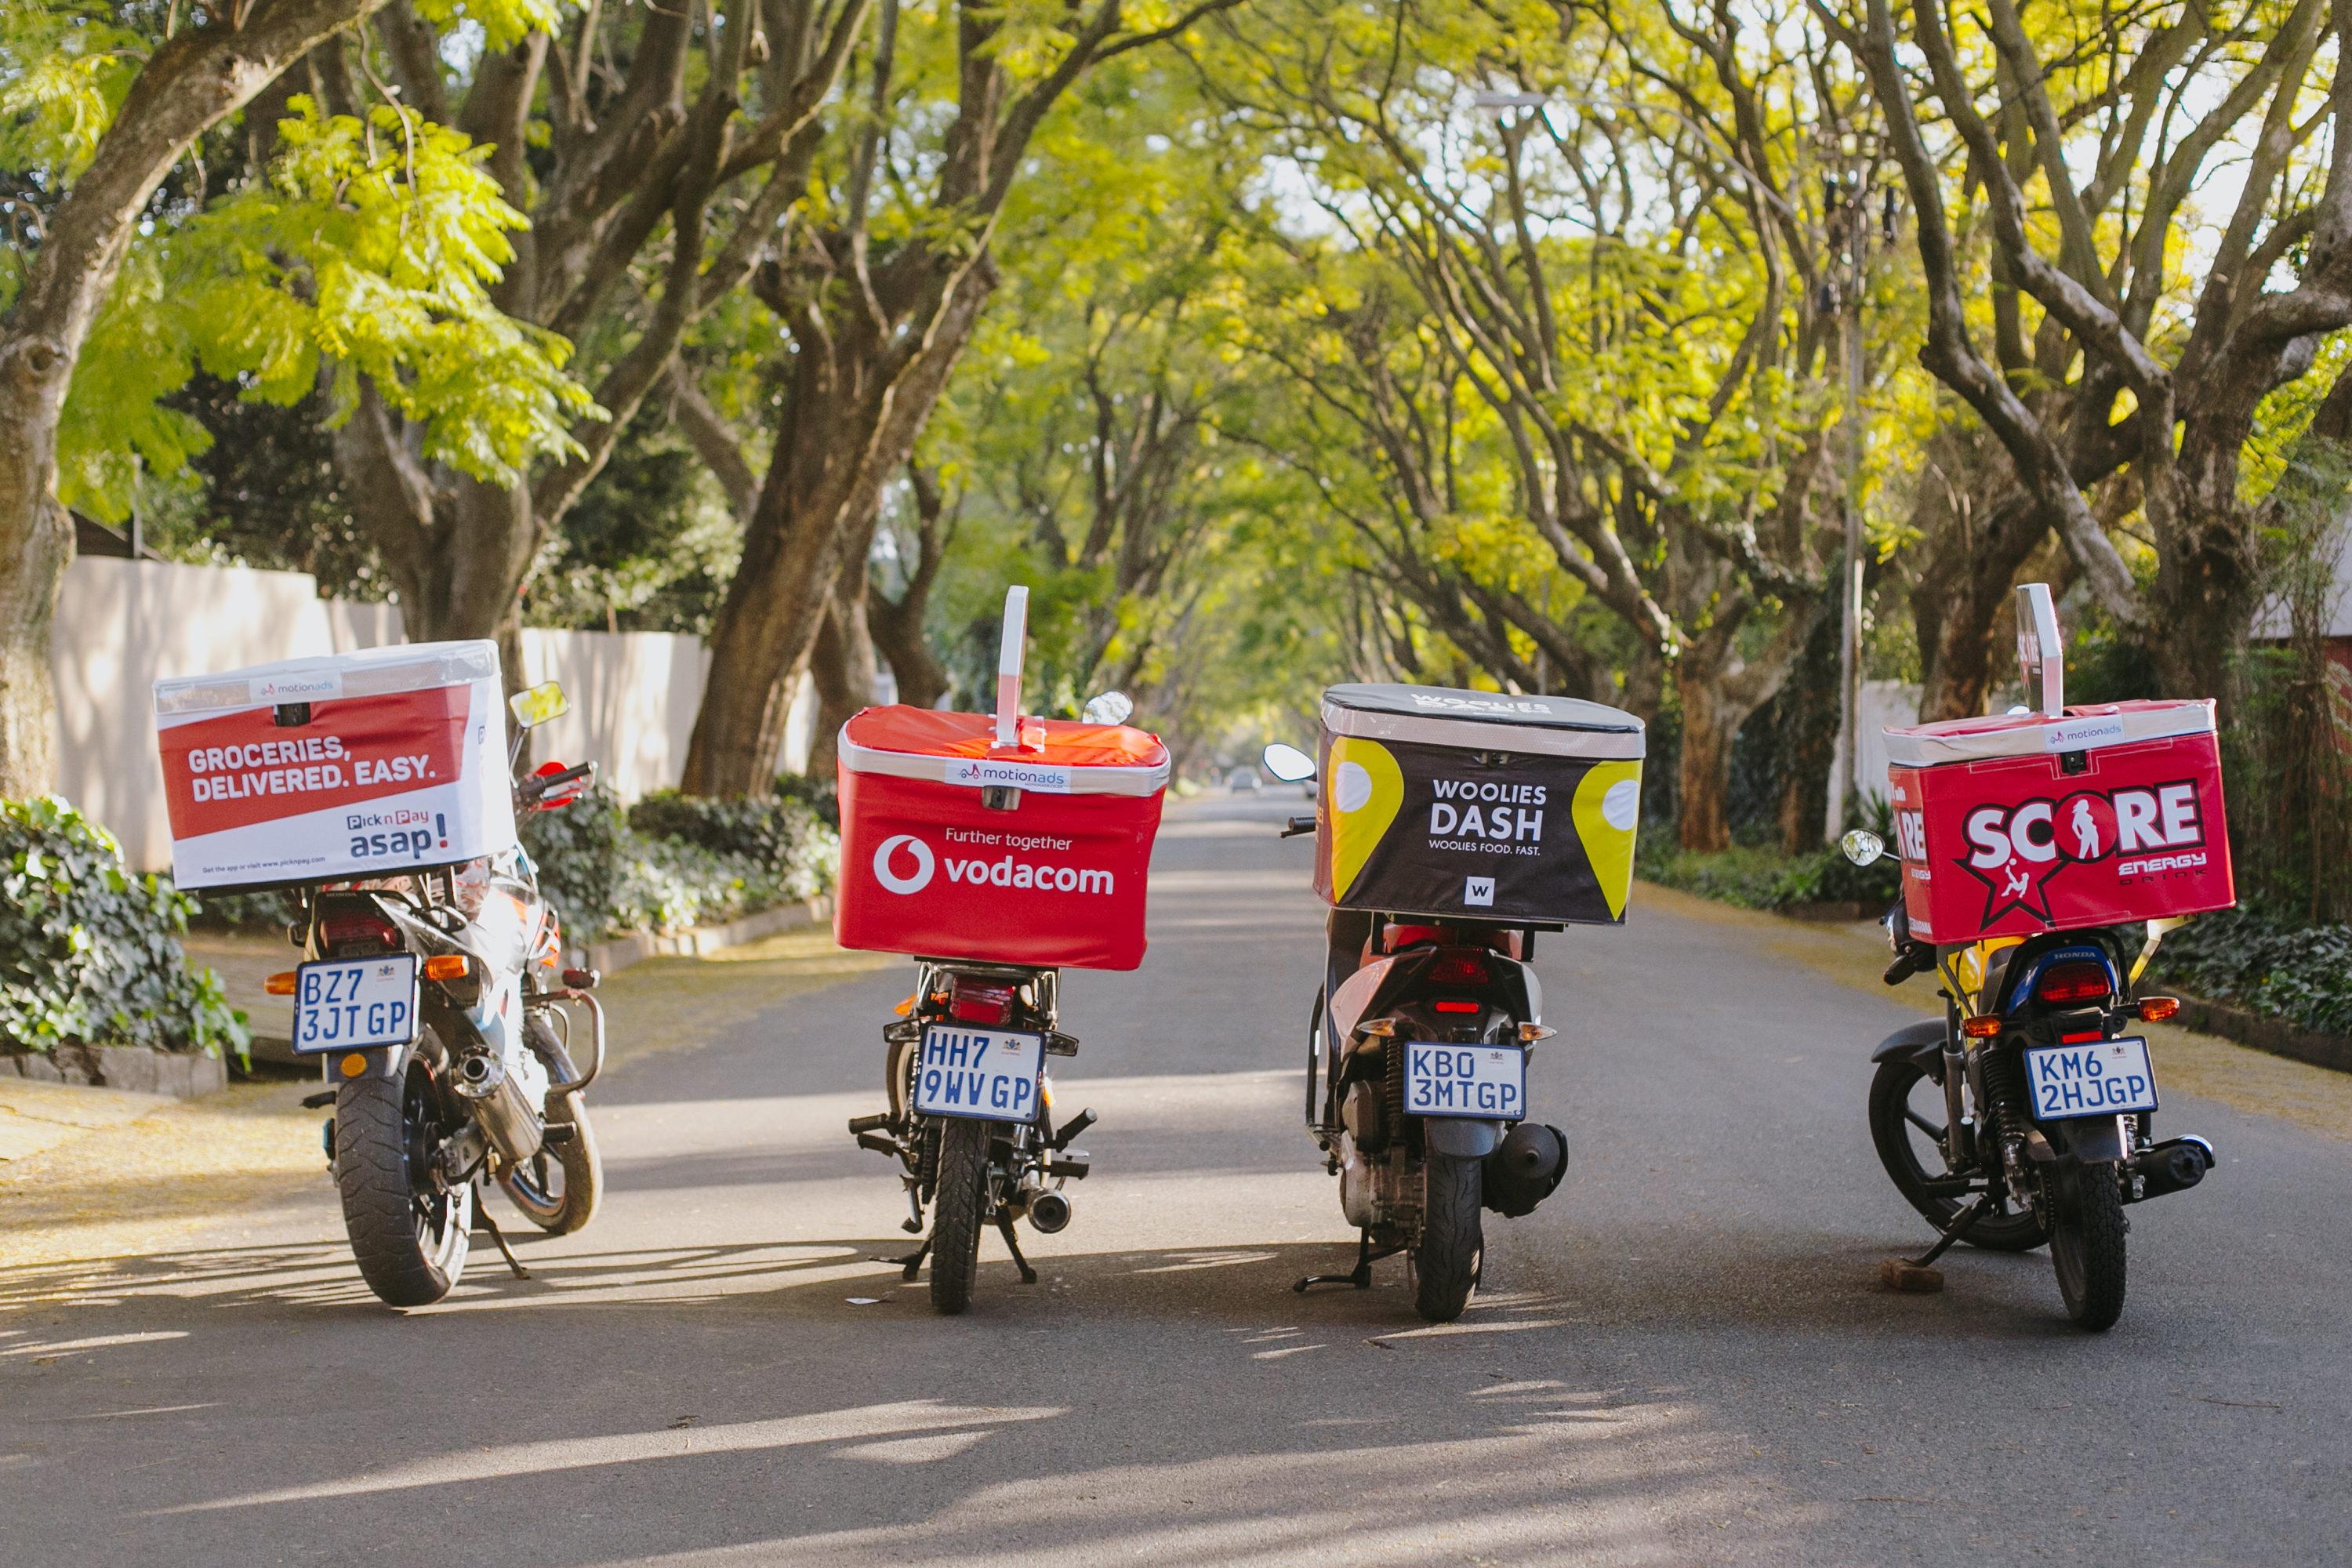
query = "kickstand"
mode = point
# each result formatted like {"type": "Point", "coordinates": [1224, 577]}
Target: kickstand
{"type": "Point", "coordinates": [912, 1264]}
{"type": "Point", "coordinates": [1362, 1277]}
{"type": "Point", "coordinates": [482, 1217]}
{"type": "Point", "coordinates": [1957, 1230]}
{"type": "Point", "coordinates": [1004, 1229]}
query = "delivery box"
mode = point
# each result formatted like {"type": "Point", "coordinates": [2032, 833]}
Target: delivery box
{"type": "Point", "coordinates": [2012, 825]}
{"type": "Point", "coordinates": [1476, 804]}
{"type": "Point", "coordinates": [316, 770]}
{"type": "Point", "coordinates": [1037, 852]}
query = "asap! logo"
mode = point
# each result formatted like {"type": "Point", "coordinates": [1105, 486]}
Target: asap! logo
{"type": "Point", "coordinates": [2015, 851]}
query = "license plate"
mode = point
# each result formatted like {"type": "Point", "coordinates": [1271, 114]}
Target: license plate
{"type": "Point", "coordinates": [991, 1074]}
{"type": "Point", "coordinates": [1487, 1082]}
{"type": "Point", "coordinates": [355, 1004]}
{"type": "Point", "coordinates": [2098, 1078]}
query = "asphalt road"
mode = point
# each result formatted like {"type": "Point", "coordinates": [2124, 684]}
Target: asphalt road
{"type": "Point", "coordinates": [1683, 1357]}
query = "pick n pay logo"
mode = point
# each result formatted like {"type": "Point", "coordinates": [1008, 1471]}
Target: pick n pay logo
{"type": "Point", "coordinates": [924, 865]}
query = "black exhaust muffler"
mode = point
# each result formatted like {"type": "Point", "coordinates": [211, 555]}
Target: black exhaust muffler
{"type": "Point", "coordinates": [2172, 1167]}
{"type": "Point", "coordinates": [1525, 1169]}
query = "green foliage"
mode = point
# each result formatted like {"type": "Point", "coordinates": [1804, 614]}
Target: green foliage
{"type": "Point", "coordinates": [2266, 960]}
{"type": "Point", "coordinates": [64, 71]}
{"type": "Point", "coordinates": [1765, 879]}
{"type": "Point", "coordinates": [89, 952]}
{"type": "Point", "coordinates": [604, 874]}
{"type": "Point", "coordinates": [369, 251]}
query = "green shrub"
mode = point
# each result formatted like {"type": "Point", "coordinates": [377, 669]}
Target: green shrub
{"type": "Point", "coordinates": [1766, 878]}
{"type": "Point", "coordinates": [89, 952]}
{"type": "Point", "coordinates": [2265, 961]}
{"type": "Point", "coordinates": [673, 861]}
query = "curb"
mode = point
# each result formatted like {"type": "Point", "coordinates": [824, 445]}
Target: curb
{"type": "Point", "coordinates": [2275, 1036]}
{"type": "Point", "coordinates": [618, 953]}
{"type": "Point", "coordinates": [134, 1067]}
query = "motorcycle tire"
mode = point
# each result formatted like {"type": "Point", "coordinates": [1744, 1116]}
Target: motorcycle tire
{"type": "Point", "coordinates": [961, 1210]}
{"type": "Point", "coordinates": [1891, 1130]}
{"type": "Point", "coordinates": [557, 1188]}
{"type": "Point", "coordinates": [2087, 1245]}
{"type": "Point", "coordinates": [410, 1239]}
{"type": "Point", "coordinates": [1445, 1264]}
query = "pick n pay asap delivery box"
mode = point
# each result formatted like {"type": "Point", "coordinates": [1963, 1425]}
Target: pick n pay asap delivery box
{"type": "Point", "coordinates": [2009, 826]}
{"type": "Point", "coordinates": [318, 770]}
{"type": "Point", "coordinates": [1477, 805]}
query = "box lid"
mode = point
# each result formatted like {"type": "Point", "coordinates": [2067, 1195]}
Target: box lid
{"type": "Point", "coordinates": [1075, 757]}
{"type": "Point", "coordinates": [2034, 734]}
{"type": "Point", "coordinates": [370, 673]}
{"type": "Point", "coordinates": [1482, 720]}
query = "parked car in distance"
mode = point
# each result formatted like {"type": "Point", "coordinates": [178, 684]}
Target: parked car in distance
{"type": "Point", "coordinates": [1241, 778]}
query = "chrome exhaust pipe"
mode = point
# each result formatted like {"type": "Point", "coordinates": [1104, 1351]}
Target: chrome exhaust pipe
{"type": "Point", "coordinates": [482, 1080]}
{"type": "Point", "coordinates": [1048, 1212]}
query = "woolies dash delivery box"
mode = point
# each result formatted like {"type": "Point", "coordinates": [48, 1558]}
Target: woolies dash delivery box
{"type": "Point", "coordinates": [2012, 825]}
{"type": "Point", "coordinates": [952, 846]}
{"type": "Point", "coordinates": [316, 770]}
{"type": "Point", "coordinates": [1476, 804]}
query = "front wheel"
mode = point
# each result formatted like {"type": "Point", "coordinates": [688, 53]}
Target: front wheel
{"type": "Point", "coordinates": [408, 1236]}
{"type": "Point", "coordinates": [1451, 1242]}
{"type": "Point", "coordinates": [2086, 1246]}
{"type": "Point", "coordinates": [962, 1207]}
{"type": "Point", "coordinates": [1907, 1116]}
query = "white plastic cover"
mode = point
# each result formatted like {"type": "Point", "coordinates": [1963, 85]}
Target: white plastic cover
{"type": "Point", "coordinates": [2033, 735]}
{"type": "Point", "coordinates": [1483, 720]}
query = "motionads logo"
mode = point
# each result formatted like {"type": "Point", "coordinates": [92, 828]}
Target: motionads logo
{"type": "Point", "coordinates": [1005, 872]}
{"type": "Point", "coordinates": [2016, 850]}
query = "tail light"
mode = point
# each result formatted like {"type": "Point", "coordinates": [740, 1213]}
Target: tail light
{"type": "Point", "coordinates": [1458, 966]}
{"type": "Point", "coordinates": [336, 931]}
{"type": "Point", "coordinates": [2069, 984]}
{"type": "Point", "coordinates": [1457, 1006]}
{"type": "Point", "coordinates": [978, 1004]}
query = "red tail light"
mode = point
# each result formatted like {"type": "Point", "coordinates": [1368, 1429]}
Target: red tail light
{"type": "Point", "coordinates": [977, 1004]}
{"type": "Point", "coordinates": [1458, 966]}
{"type": "Point", "coordinates": [337, 930]}
{"type": "Point", "coordinates": [1457, 1006]}
{"type": "Point", "coordinates": [2072, 983]}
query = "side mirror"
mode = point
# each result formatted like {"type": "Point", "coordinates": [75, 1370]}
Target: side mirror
{"type": "Point", "coordinates": [1288, 763]}
{"type": "Point", "coordinates": [541, 704]}
{"type": "Point", "coordinates": [1863, 847]}
{"type": "Point", "coordinates": [1107, 707]}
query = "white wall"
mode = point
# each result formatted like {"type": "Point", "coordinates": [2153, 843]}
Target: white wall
{"type": "Point", "coordinates": [633, 698]}
{"type": "Point", "coordinates": [122, 625]}
{"type": "Point", "coordinates": [1883, 704]}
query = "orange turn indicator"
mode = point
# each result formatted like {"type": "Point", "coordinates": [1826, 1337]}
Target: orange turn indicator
{"type": "Point", "coordinates": [445, 967]}
{"type": "Point", "coordinates": [2156, 1009]}
{"type": "Point", "coordinates": [1984, 1026]}
{"type": "Point", "coordinates": [280, 984]}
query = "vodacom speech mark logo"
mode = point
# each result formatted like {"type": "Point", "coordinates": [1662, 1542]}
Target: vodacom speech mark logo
{"type": "Point", "coordinates": [891, 880]}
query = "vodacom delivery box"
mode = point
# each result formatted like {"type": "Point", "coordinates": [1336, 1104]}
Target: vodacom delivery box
{"type": "Point", "coordinates": [952, 846]}
{"type": "Point", "coordinates": [320, 769]}
{"type": "Point", "coordinates": [2013, 825]}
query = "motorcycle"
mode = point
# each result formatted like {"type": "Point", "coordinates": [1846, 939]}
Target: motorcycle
{"type": "Point", "coordinates": [1983, 1124]}
{"type": "Point", "coordinates": [437, 1001]}
{"type": "Point", "coordinates": [1416, 1074]}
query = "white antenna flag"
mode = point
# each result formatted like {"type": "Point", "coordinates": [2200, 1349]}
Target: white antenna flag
{"type": "Point", "coordinates": [1008, 666]}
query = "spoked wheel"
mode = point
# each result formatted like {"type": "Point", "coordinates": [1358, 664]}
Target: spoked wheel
{"type": "Point", "coordinates": [1451, 1241]}
{"type": "Point", "coordinates": [2086, 1244]}
{"type": "Point", "coordinates": [962, 1209]}
{"type": "Point", "coordinates": [1906, 1124]}
{"type": "Point", "coordinates": [557, 1188]}
{"type": "Point", "coordinates": [409, 1237]}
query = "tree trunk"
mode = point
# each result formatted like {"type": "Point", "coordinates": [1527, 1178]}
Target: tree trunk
{"type": "Point", "coordinates": [858, 402]}
{"type": "Point", "coordinates": [1709, 724]}
{"type": "Point", "coordinates": [1978, 528]}
{"type": "Point", "coordinates": [843, 663]}
{"type": "Point", "coordinates": [187, 86]}
{"type": "Point", "coordinates": [897, 626]}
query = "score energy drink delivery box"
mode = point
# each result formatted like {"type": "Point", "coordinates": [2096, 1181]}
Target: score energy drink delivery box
{"type": "Point", "coordinates": [1476, 804]}
{"type": "Point", "coordinates": [322, 769]}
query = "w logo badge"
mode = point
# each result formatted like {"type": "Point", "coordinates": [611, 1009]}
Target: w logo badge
{"type": "Point", "coordinates": [1479, 890]}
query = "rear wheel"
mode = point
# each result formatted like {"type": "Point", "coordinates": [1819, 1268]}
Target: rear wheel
{"type": "Point", "coordinates": [2087, 1245]}
{"type": "Point", "coordinates": [961, 1210]}
{"type": "Point", "coordinates": [408, 1236]}
{"type": "Point", "coordinates": [1906, 1124]}
{"type": "Point", "coordinates": [1446, 1263]}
